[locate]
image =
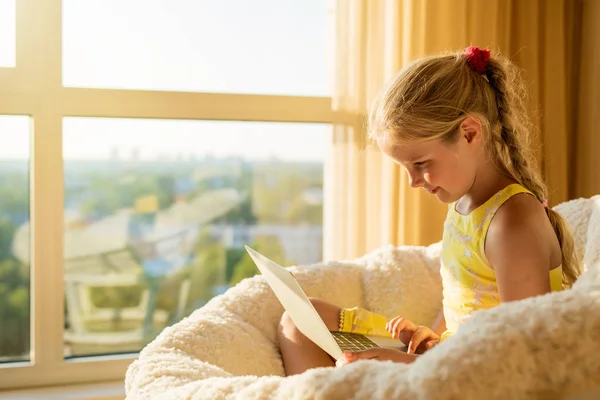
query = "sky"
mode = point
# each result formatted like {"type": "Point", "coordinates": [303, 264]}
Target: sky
{"type": "Point", "coordinates": [226, 46]}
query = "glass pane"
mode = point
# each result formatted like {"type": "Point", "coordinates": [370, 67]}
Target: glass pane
{"type": "Point", "coordinates": [157, 213]}
{"type": "Point", "coordinates": [14, 238]}
{"type": "Point", "coordinates": [225, 46]}
{"type": "Point", "coordinates": [7, 33]}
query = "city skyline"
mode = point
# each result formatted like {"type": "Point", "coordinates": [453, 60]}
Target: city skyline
{"type": "Point", "coordinates": [97, 138]}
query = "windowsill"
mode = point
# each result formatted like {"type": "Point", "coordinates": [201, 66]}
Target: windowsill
{"type": "Point", "coordinates": [97, 391]}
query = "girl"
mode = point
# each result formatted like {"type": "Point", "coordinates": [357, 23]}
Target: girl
{"type": "Point", "coordinates": [457, 124]}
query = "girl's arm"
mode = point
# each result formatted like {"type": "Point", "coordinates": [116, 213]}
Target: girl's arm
{"type": "Point", "coordinates": [522, 247]}
{"type": "Point", "coordinates": [439, 325]}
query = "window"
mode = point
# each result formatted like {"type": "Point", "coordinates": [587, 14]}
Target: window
{"type": "Point", "coordinates": [226, 46]}
{"type": "Point", "coordinates": [140, 159]}
{"type": "Point", "coordinates": [155, 228]}
{"type": "Point", "coordinates": [7, 33]}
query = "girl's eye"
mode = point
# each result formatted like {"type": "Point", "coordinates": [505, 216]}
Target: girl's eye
{"type": "Point", "coordinates": [420, 164]}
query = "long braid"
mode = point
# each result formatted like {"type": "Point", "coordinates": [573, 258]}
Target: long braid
{"type": "Point", "coordinates": [512, 147]}
{"type": "Point", "coordinates": [511, 139]}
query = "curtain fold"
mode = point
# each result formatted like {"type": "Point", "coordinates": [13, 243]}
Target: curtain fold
{"type": "Point", "coordinates": [369, 202]}
{"type": "Point", "coordinates": [586, 98]}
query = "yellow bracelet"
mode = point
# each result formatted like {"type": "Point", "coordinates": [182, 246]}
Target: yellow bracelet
{"type": "Point", "coordinates": [341, 323]}
{"type": "Point", "coordinates": [359, 320]}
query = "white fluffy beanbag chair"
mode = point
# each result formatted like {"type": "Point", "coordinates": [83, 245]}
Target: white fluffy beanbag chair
{"type": "Point", "coordinates": [543, 347]}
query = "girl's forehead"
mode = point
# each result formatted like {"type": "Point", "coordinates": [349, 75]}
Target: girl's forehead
{"type": "Point", "coordinates": [412, 151]}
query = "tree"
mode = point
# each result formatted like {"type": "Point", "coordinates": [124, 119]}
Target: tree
{"type": "Point", "coordinates": [14, 310]}
{"type": "Point", "coordinates": [241, 214]}
{"type": "Point", "coordinates": [14, 277]}
{"type": "Point", "coordinates": [269, 246]}
{"type": "Point", "coordinates": [301, 212]}
{"type": "Point", "coordinates": [207, 272]}
{"type": "Point", "coordinates": [7, 231]}
{"type": "Point", "coordinates": [165, 190]}
{"type": "Point", "coordinates": [245, 268]}
{"type": "Point", "coordinates": [233, 255]}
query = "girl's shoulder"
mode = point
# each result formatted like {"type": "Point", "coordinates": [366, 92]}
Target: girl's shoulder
{"type": "Point", "coordinates": [518, 211]}
{"type": "Point", "coordinates": [521, 245]}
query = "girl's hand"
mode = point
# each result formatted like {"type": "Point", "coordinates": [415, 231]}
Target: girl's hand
{"type": "Point", "coordinates": [419, 338]}
{"type": "Point", "coordinates": [423, 339]}
{"type": "Point", "coordinates": [376, 353]}
{"type": "Point", "coordinates": [401, 328]}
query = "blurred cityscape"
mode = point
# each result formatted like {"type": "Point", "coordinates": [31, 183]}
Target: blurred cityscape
{"type": "Point", "coordinates": [148, 241]}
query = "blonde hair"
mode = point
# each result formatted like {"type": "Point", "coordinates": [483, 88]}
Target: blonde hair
{"type": "Point", "coordinates": [431, 97]}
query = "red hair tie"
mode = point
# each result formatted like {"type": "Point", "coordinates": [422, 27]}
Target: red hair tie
{"type": "Point", "coordinates": [477, 58]}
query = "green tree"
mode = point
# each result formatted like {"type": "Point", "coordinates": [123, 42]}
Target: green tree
{"type": "Point", "coordinates": [301, 212]}
{"type": "Point", "coordinates": [269, 246]}
{"type": "Point", "coordinates": [165, 189]}
{"type": "Point", "coordinates": [234, 255]}
{"type": "Point", "coordinates": [7, 231]}
{"type": "Point", "coordinates": [14, 309]}
{"type": "Point", "coordinates": [14, 196]}
{"type": "Point", "coordinates": [245, 268]}
{"type": "Point", "coordinates": [241, 214]}
{"type": "Point", "coordinates": [14, 277]}
{"type": "Point", "coordinates": [207, 269]}
{"type": "Point", "coordinates": [278, 192]}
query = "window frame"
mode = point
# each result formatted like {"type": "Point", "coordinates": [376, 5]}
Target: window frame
{"type": "Point", "coordinates": [34, 88]}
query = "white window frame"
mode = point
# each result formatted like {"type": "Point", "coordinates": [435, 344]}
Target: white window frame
{"type": "Point", "coordinates": [34, 88]}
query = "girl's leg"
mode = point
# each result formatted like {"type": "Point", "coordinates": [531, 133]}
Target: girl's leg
{"type": "Point", "coordinates": [298, 352]}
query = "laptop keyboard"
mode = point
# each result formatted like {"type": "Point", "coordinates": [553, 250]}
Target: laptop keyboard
{"type": "Point", "coordinates": [352, 341]}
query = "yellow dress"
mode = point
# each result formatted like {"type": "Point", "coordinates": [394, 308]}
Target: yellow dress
{"type": "Point", "coordinates": [469, 283]}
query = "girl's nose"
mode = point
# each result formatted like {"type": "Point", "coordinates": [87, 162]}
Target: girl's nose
{"type": "Point", "coordinates": [415, 180]}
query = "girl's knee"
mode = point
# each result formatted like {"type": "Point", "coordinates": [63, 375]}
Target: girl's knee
{"type": "Point", "coordinates": [286, 323]}
{"type": "Point", "coordinates": [329, 313]}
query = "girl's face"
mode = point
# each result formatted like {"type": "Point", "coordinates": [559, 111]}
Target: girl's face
{"type": "Point", "coordinates": [446, 170]}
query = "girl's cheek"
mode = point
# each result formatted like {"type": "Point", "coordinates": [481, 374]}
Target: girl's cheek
{"type": "Point", "coordinates": [435, 176]}
{"type": "Point", "coordinates": [429, 176]}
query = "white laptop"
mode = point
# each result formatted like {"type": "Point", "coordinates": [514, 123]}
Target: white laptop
{"type": "Point", "coordinates": [307, 320]}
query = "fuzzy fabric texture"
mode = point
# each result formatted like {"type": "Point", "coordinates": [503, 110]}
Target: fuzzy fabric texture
{"type": "Point", "coordinates": [543, 347]}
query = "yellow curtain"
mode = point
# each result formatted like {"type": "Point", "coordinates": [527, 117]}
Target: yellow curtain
{"type": "Point", "coordinates": [369, 202]}
{"type": "Point", "coordinates": [585, 103]}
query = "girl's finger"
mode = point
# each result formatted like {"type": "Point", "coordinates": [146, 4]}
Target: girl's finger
{"type": "Point", "coordinates": [390, 324]}
{"type": "Point", "coordinates": [341, 362]}
{"type": "Point", "coordinates": [398, 327]}
{"type": "Point", "coordinates": [422, 333]}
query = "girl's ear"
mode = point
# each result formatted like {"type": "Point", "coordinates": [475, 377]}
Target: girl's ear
{"type": "Point", "coordinates": [471, 131]}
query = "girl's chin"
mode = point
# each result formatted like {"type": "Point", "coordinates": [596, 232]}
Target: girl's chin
{"type": "Point", "coordinates": [444, 196]}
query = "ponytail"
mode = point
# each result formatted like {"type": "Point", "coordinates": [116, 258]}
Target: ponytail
{"type": "Point", "coordinates": [513, 154]}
